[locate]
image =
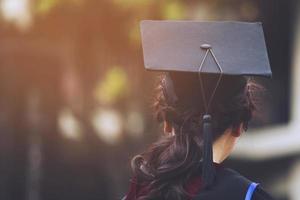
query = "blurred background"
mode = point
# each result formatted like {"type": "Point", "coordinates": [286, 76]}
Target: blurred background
{"type": "Point", "coordinates": [75, 100]}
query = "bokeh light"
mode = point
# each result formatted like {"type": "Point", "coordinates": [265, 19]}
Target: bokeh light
{"type": "Point", "coordinates": [69, 125]}
{"type": "Point", "coordinates": [135, 124]}
{"type": "Point", "coordinates": [17, 11]}
{"type": "Point", "coordinates": [108, 124]}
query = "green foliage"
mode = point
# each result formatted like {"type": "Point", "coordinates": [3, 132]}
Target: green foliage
{"type": "Point", "coordinates": [133, 3]}
{"type": "Point", "coordinates": [45, 6]}
{"type": "Point", "coordinates": [173, 10]}
{"type": "Point", "coordinates": [113, 86]}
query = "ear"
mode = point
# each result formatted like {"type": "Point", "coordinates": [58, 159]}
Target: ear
{"type": "Point", "coordinates": [167, 127]}
{"type": "Point", "coordinates": [238, 130]}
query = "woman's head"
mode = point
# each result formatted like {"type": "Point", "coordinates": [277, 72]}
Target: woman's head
{"type": "Point", "coordinates": [171, 161]}
{"type": "Point", "coordinates": [231, 105]}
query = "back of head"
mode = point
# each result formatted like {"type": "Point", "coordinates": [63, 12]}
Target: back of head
{"type": "Point", "coordinates": [167, 165]}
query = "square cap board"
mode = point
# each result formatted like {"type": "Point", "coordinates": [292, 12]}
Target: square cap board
{"type": "Point", "coordinates": [230, 48]}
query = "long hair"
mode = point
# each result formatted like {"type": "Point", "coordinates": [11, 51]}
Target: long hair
{"type": "Point", "coordinates": [167, 165]}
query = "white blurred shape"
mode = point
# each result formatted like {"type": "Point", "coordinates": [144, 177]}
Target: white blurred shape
{"type": "Point", "coordinates": [294, 184]}
{"type": "Point", "coordinates": [69, 125]}
{"type": "Point", "coordinates": [108, 124]}
{"type": "Point", "coordinates": [135, 124]}
{"type": "Point", "coordinates": [17, 11]}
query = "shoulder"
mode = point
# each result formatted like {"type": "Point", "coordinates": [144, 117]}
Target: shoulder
{"type": "Point", "coordinates": [230, 184]}
{"type": "Point", "coordinates": [238, 181]}
{"type": "Point", "coordinates": [231, 179]}
{"type": "Point", "coordinates": [261, 194]}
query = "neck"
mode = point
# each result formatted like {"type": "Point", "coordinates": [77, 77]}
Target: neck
{"type": "Point", "coordinates": [223, 146]}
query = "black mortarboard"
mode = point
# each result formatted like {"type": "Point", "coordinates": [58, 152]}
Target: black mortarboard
{"type": "Point", "coordinates": [239, 47]}
{"type": "Point", "coordinates": [220, 48]}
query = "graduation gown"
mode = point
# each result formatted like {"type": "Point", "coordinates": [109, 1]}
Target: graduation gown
{"type": "Point", "coordinates": [228, 185]}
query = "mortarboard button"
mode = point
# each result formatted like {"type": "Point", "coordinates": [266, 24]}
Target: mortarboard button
{"type": "Point", "coordinates": [206, 118]}
{"type": "Point", "coordinates": [205, 46]}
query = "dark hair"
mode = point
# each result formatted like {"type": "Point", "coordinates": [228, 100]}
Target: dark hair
{"type": "Point", "coordinates": [169, 163]}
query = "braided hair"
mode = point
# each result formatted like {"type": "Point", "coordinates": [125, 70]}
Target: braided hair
{"type": "Point", "coordinates": [169, 163]}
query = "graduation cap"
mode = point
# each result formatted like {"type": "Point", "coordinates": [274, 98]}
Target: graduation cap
{"type": "Point", "coordinates": [220, 48]}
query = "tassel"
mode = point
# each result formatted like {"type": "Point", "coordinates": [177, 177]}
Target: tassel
{"type": "Point", "coordinates": [208, 170]}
